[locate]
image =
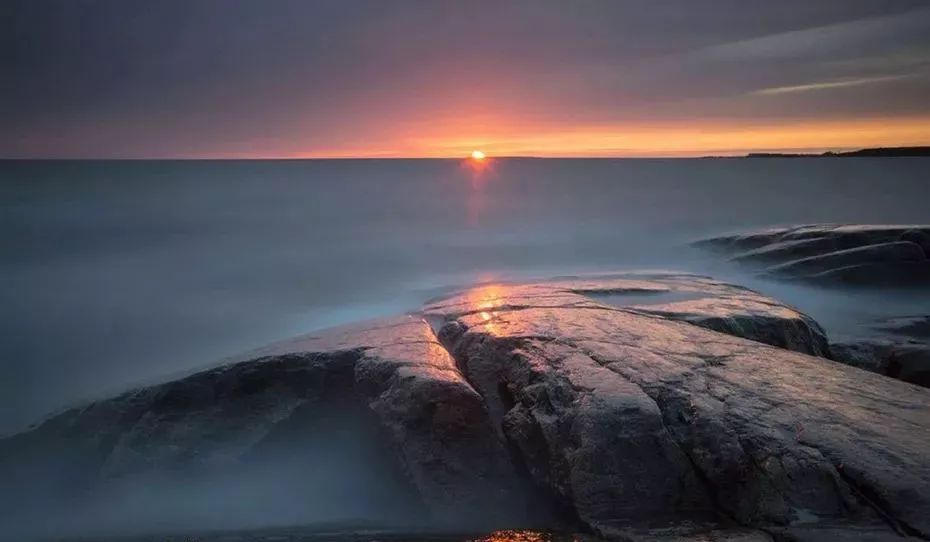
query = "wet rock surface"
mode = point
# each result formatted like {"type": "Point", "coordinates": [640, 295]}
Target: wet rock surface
{"type": "Point", "coordinates": [667, 407]}
{"type": "Point", "coordinates": [864, 255]}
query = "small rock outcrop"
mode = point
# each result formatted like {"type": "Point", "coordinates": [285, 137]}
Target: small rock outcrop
{"type": "Point", "coordinates": [664, 407]}
{"type": "Point", "coordinates": [864, 255]}
{"type": "Point", "coordinates": [896, 347]}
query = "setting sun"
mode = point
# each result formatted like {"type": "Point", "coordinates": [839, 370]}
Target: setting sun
{"type": "Point", "coordinates": [477, 155]}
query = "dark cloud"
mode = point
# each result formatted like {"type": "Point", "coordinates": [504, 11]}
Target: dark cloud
{"type": "Point", "coordinates": [212, 77]}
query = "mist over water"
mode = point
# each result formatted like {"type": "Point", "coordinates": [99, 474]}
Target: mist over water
{"type": "Point", "coordinates": [115, 273]}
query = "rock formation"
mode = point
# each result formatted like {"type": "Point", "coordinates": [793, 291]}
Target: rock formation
{"type": "Point", "coordinates": [878, 256]}
{"type": "Point", "coordinates": [864, 255]}
{"type": "Point", "coordinates": [638, 407]}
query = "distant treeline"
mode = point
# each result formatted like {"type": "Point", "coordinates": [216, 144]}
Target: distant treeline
{"type": "Point", "coordinates": [881, 151]}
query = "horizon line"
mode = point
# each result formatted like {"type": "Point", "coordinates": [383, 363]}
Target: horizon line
{"type": "Point", "coordinates": [711, 154]}
{"type": "Point", "coordinates": [686, 155]}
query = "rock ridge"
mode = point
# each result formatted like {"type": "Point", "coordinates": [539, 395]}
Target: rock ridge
{"type": "Point", "coordinates": [834, 254]}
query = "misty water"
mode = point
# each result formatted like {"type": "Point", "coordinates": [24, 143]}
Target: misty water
{"type": "Point", "coordinates": [119, 273]}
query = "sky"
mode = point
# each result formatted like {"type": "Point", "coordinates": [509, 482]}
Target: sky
{"type": "Point", "coordinates": [431, 78]}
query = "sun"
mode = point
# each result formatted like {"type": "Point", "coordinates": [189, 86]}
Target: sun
{"type": "Point", "coordinates": [477, 155]}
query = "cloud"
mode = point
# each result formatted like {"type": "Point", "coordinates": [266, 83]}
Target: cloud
{"type": "Point", "coordinates": [132, 78]}
{"type": "Point", "coordinates": [844, 39]}
{"type": "Point", "coordinates": [828, 85]}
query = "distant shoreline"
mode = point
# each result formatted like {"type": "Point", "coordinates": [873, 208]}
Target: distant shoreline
{"type": "Point", "coordinates": [871, 153]}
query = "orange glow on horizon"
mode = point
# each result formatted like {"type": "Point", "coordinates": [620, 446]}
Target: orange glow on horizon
{"type": "Point", "coordinates": [676, 139]}
{"type": "Point", "coordinates": [510, 137]}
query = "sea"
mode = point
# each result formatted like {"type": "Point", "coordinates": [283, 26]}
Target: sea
{"type": "Point", "coordinates": [117, 273]}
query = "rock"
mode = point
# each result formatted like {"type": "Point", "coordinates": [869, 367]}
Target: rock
{"type": "Point", "coordinates": [741, 312]}
{"type": "Point", "coordinates": [885, 262]}
{"type": "Point", "coordinates": [895, 347]}
{"type": "Point", "coordinates": [362, 423]}
{"type": "Point", "coordinates": [909, 362]}
{"type": "Point", "coordinates": [857, 255]}
{"type": "Point", "coordinates": [920, 238]}
{"type": "Point", "coordinates": [741, 430]}
{"type": "Point", "coordinates": [698, 300]}
{"type": "Point", "coordinates": [690, 535]}
{"type": "Point", "coordinates": [871, 355]}
{"type": "Point", "coordinates": [843, 235]}
{"type": "Point", "coordinates": [865, 255]}
{"type": "Point", "coordinates": [781, 251]}
{"type": "Point", "coordinates": [607, 404]}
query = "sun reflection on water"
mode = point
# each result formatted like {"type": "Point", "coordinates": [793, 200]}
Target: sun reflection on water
{"type": "Point", "coordinates": [479, 172]}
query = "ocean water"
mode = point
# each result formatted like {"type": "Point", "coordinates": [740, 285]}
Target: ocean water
{"type": "Point", "coordinates": [121, 272]}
